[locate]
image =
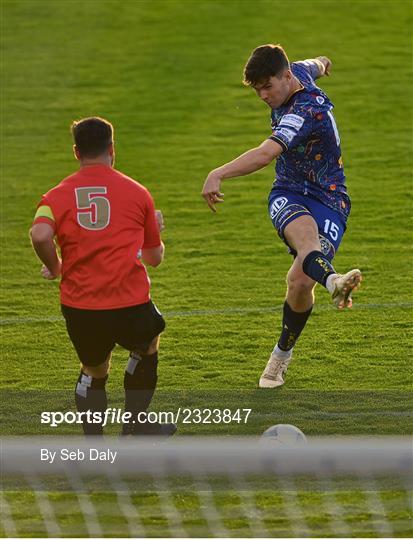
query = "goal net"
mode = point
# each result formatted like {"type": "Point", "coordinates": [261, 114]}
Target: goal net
{"type": "Point", "coordinates": [206, 487]}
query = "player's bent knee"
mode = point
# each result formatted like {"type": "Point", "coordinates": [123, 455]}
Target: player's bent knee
{"type": "Point", "coordinates": [97, 372]}
{"type": "Point", "coordinates": [296, 278]}
{"type": "Point", "coordinates": [300, 285]}
{"type": "Point", "coordinates": [152, 348]}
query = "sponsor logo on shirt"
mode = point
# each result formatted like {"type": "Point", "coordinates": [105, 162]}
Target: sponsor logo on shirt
{"type": "Point", "coordinates": [292, 120]}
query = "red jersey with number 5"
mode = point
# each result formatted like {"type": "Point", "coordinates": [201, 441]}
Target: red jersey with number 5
{"type": "Point", "coordinates": [102, 220]}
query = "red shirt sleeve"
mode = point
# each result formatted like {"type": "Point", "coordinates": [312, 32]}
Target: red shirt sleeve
{"type": "Point", "coordinates": [152, 238]}
{"type": "Point", "coordinates": [44, 214]}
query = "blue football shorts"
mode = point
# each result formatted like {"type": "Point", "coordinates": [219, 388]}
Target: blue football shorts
{"type": "Point", "coordinates": [286, 206]}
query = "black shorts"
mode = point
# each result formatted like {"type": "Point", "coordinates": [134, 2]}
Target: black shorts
{"type": "Point", "coordinates": [94, 333]}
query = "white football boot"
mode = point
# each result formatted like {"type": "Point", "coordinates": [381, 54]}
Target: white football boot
{"type": "Point", "coordinates": [342, 286]}
{"type": "Point", "coordinates": [277, 365]}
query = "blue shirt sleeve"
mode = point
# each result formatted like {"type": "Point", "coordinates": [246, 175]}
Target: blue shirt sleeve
{"type": "Point", "coordinates": [293, 128]}
{"type": "Point", "coordinates": [310, 66]}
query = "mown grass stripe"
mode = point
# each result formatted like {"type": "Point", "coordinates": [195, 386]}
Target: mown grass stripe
{"type": "Point", "coordinates": [210, 312]}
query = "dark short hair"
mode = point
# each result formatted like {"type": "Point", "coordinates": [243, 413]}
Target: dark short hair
{"type": "Point", "coordinates": [265, 61]}
{"type": "Point", "coordinates": [92, 136]}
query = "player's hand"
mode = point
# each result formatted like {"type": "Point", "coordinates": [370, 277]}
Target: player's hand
{"type": "Point", "coordinates": [160, 221]}
{"type": "Point", "coordinates": [327, 64]}
{"type": "Point", "coordinates": [47, 274]}
{"type": "Point", "coordinates": [211, 191]}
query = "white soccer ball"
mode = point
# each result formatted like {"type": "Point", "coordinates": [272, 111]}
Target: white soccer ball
{"type": "Point", "coordinates": [284, 435]}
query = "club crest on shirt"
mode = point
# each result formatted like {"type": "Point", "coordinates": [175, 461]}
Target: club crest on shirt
{"type": "Point", "coordinates": [327, 247]}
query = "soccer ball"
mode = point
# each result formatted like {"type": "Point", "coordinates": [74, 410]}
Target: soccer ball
{"type": "Point", "coordinates": [284, 435]}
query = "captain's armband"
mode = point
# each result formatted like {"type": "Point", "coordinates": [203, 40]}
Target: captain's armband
{"type": "Point", "coordinates": [44, 214]}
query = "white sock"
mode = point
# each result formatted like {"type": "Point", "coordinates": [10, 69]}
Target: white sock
{"type": "Point", "coordinates": [330, 283]}
{"type": "Point", "coordinates": [282, 354]}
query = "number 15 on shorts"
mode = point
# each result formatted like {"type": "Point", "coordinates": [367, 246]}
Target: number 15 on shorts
{"type": "Point", "coordinates": [331, 228]}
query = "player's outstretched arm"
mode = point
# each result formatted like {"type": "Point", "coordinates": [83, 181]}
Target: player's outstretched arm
{"type": "Point", "coordinates": [42, 236]}
{"type": "Point", "coordinates": [246, 163]}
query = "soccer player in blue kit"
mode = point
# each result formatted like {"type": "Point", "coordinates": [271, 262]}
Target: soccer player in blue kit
{"type": "Point", "coordinates": [308, 203]}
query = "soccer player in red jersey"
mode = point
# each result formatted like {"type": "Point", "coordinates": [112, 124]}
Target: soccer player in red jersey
{"type": "Point", "coordinates": [105, 224]}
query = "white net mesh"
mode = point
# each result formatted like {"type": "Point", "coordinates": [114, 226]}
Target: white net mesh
{"type": "Point", "coordinates": [207, 487]}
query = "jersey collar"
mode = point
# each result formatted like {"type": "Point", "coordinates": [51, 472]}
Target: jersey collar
{"type": "Point", "coordinates": [293, 94]}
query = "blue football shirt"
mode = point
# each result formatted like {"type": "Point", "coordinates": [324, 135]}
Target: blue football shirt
{"type": "Point", "coordinates": [311, 163]}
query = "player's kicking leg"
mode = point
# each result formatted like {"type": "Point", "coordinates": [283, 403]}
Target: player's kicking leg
{"type": "Point", "coordinates": [310, 266]}
{"type": "Point", "coordinates": [341, 286]}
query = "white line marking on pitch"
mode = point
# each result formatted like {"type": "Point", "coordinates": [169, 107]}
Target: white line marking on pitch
{"type": "Point", "coordinates": [210, 312]}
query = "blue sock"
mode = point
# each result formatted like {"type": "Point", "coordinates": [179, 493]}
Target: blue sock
{"type": "Point", "coordinates": [293, 325]}
{"type": "Point", "coordinates": [318, 267]}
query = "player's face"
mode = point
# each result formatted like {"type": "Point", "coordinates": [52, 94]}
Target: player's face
{"type": "Point", "coordinates": [275, 90]}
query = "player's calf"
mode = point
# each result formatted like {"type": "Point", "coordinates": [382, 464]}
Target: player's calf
{"type": "Point", "coordinates": [318, 267]}
{"type": "Point", "coordinates": [139, 383]}
{"type": "Point", "coordinates": [90, 395]}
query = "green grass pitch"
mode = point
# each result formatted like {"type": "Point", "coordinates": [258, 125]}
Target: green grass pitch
{"type": "Point", "coordinates": [168, 74]}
